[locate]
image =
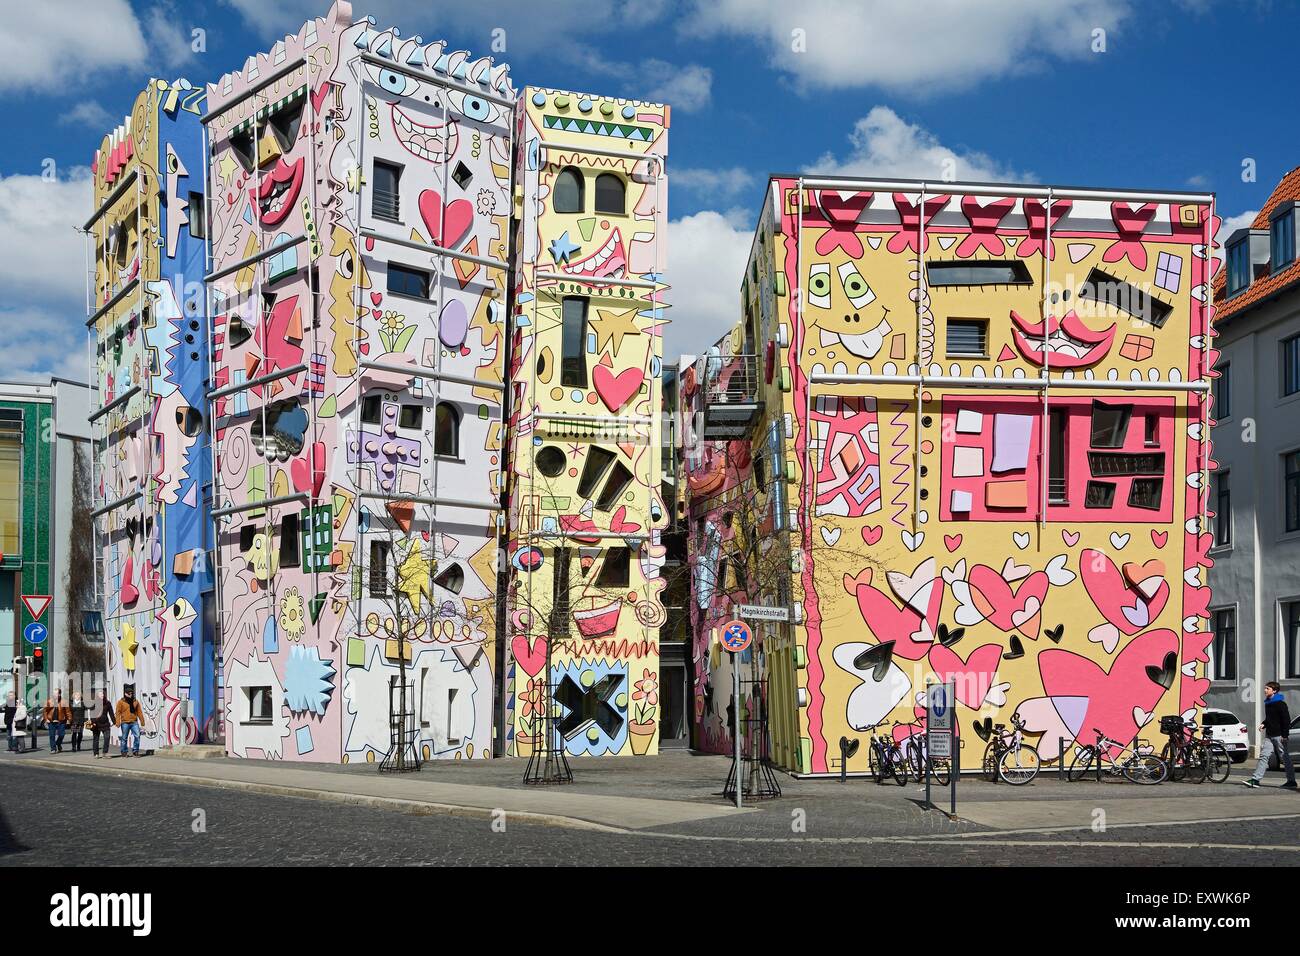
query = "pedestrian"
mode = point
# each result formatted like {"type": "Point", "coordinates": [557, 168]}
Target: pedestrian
{"type": "Point", "coordinates": [56, 714]}
{"type": "Point", "coordinates": [10, 711]}
{"type": "Point", "coordinates": [101, 723]}
{"type": "Point", "coordinates": [127, 715]}
{"type": "Point", "coordinates": [1273, 739]}
{"type": "Point", "coordinates": [78, 721]}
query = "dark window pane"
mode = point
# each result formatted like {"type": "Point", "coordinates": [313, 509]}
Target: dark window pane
{"type": "Point", "coordinates": [610, 194]}
{"type": "Point", "coordinates": [1223, 508]}
{"type": "Point", "coordinates": [977, 273]}
{"type": "Point", "coordinates": [573, 358]}
{"type": "Point", "coordinates": [379, 568]}
{"type": "Point", "coordinates": [615, 572]}
{"type": "Point", "coordinates": [411, 282]}
{"type": "Point", "coordinates": [619, 478]}
{"type": "Point", "coordinates": [371, 409]}
{"type": "Point", "coordinates": [411, 416]}
{"type": "Point", "coordinates": [568, 191]}
{"type": "Point", "coordinates": [967, 337]}
{"type": "Point", "coordinates": [1223, 391]}
{"type": "Point", "coordinates": [598, 461]}
{"type": "Point", "coordinates": [385, 198]}
{"type": "Point", "coordinates": [446, 431]}
{"type": "Point", "coordinates": [1110, 424]}
{"type": "Point", "coordinates": [1057, 477]}
{"type": "Point", "coordinates": [1224, 655]}
{"type": "Point", "coordinates": [1126, 297]}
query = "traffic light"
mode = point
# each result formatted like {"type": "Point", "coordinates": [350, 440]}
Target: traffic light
{"type": "Point", "coordinates": [38, 660]}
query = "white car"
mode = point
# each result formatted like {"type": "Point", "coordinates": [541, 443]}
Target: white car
{"type": "Point", "coordinates": [1228, 730]}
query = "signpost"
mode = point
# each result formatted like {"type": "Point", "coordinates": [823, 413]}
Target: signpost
{"type": "Point", "coordinates": [940, 741]}
{"type": "Point", "coordinates": [736, 638]}
{"type": "Point", "coordinates": [36, 604]}
{"type": "Point", "coordinates": [761, 612]}
{"type": "Point", "coordinates": [34, 633]}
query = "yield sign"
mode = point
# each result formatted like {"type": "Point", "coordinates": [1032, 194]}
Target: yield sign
{"type": "Point", "coordinates": [36, 604]}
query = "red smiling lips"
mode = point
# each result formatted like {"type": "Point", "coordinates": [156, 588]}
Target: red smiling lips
{"type": "Point", "coordinates": [1070, 343]}
{"type": "Point", "coordinates": [275, 199]}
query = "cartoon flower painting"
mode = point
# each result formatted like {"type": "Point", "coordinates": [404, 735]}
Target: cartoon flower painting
{"type": "Point", "coordinates": [645, 705]}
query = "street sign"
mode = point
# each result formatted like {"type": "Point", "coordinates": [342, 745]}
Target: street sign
{"type": "Point", "coordinates": [940, 744]}
{"type": "Point", "coordinates": [34, 633]}
{"type": "Point", "coordinates": [36, 604]}
{"type": "Point", "coordinates": [760, 612]}
{"type": "Point", "coordinates": [940, 708]}
{"type": "Point", "coordinates": [736, 636]}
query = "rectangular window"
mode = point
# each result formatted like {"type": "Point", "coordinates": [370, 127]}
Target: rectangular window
{"type": "Point", "coordinates": [994, 272]}
{"type": "Point", "coordinates": [1151, 430]}
{"type": "Point", "coordinates": [372, 407]}
{"type": "Point", "coordinates": [615, 572]}
{"type": "Point", "coordinates": [1099, 494]}
{"type": "Point", "coordinates": [1291, 639]}
{"type": "Point", "coordinates": [379, 568]}
{"type": "Point", "coordinates": [1223, 654]}
{"type": "Point", "coordinates": [1113, 464]}
{"type": "Point", "coordinates": [1291, 365]}
{"type": "Point", "coordinates": [968, 337]}
{"type": "Point", "coordinates": [1238, 266]}
{"type": "Point", "coordinates": [289, 541]}
{"type": "Point", "coordinates": [1145, 493]}
{"type": "Point", "coordinates": [1222, 509]}
{"type": "Point", "coordinates": [1291, 486]}
{"type": "Point", "coordinates": [560, 601]}
{"type": "Point", "coordinates": [1282, 240]}
{"type": "Point", "coordinates": [11, 480]}
{"type": "Point", "coordinates": [197, 213]}
{"type": "Point", "coordinates": [1222, 388]}
{"type": "Point", "coordinates": [573, 361]}
{"type": "Point", "coordinates": [1057, 476]}
{"type": "Point", "coordinates": [259, 703]}
{"type": "Point", "coordinates": [411, 416]}
{"type": "Point", "coordinates": [385, 197]}
{"type": "Point", "coordinates": [408, 282]}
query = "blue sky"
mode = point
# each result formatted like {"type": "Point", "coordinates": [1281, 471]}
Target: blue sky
{"type": "Point", "coordinates": [1179, 98]}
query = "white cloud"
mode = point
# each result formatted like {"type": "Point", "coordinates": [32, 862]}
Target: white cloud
{"type": "Point", "coordinates": [686, 88]}
{"type": "Point", "coordinates": [907, 46]}
{"type": "Point", "coordinates": [169, 35]}
{"type": "Point", "coordinates": [717, 183]}
{"type": "Point", "coordinates": [1230, 224]}
{"type": "Point", "coordinates": [88, 113]}
{"type": "Point", "coordinates": [42, 270]}
{"type": "Point", "coordinates": [45, 45]}
{"type": "Point", "coordinates": [707, 253]}
{"type": "Point", "coordinates": [884, 144]}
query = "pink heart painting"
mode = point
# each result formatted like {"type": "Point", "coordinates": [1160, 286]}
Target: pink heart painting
{"type": "Point", "coordinates": [309, 474]}
{"type": "Point", "coordinates": [456, 220]}
{"type": "Point", "coordinates": [872, 534]}
{"type": "Point", "coordinates": [616, 390]}
{"type": "Point", "coordinates": [973, 677]}
{"type": "Point", "coordinates": [530, 660]}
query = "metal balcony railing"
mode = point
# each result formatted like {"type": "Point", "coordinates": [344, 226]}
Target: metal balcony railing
{"type": "Point", "coordinates": [730, 395]}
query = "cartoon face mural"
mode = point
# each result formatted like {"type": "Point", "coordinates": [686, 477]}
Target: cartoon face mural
{"type": "Point", "coordinates": [152, 371]}
{"type": "Point", "coordinates": [585, 508]}
{"type": "Point", "coordinates": [383, 541]}
{"type": "Point", "coordinates": [944, 531]}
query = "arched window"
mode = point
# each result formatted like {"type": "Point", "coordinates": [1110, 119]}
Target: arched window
{"type": "Point", "coordinates": [610, 194]}
{"type": "Point", "coordinates": [446, 431]}
{"type": "Point", "coordinates": [568, 191]}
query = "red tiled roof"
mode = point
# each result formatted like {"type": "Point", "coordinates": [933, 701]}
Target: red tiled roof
{"type": "Point", "coordinates": [1288, 190]}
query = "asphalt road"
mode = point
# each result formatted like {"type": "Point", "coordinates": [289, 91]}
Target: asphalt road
{"type": "Point", "coordinates": [63, 818]}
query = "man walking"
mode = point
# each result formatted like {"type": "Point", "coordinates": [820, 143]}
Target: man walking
{"type": "Point", "coordinates": [1276, 726]}
{"type": "Point", "coordinates": [57, 715]}
{"type": "Point", "coordinates": [128, 715]}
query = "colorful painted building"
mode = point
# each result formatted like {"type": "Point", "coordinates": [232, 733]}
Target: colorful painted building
{"type": "Point", "coordinates": [959, 432]}
{"type": "Point", "coordinates": [586, 512]}
{"type": "Point", "coordinates": [360, 242]}
{"type": "Point", "coordinates": [151, 478]}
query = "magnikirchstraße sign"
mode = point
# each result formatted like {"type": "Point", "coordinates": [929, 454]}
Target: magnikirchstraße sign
{"type": "Point", "coordinates": [760, 612]}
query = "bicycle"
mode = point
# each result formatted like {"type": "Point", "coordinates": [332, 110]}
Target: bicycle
{"type": "Point", "coordinates": [918, 756]}
{"type": "Point", "coordinates": [886, 758]}
{"type": "Point", "coordinates": [1117, 758]}
{"type": "Point", "coordinates": [1218, 761]}
{"type": "Point", "coordinates": [1008, 758]}
{"type": "Point", "coordinates": [1186, 757]}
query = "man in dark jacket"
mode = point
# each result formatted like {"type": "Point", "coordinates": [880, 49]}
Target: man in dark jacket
{"type": "Point", "coordinates": [1276, 726]}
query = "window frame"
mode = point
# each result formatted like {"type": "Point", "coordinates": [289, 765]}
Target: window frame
{"type": "Point", "coordinates": [396, 169]}
{"type": "Point", "coordinates": [1221, 389]}
{"type": "Point", "coordinates": [966, 322]}
{"type": "Point", "coordinates": [438, 432]}
{"type": "Point", "coordinates": [582, 191]}
{"type": "Point", "coordinates": [427, 278]}
{"type": "Point", "coordinates": [1289, 373]}
{"type": "Point", "coordinates": [1238, 260]}
{"type": "Point", "coordinates": [1223, 513]}
{"type": "Point", "coordinates": [252, 693]}
{"type": "Point", "coordinates": [575, 376]}
{"type": "Point", "coordinates": [1284, 657]}
{"type": "Point", "coordinates": [1282, 222]}
{"type": "Point", "coordinates": [1290, 479]}
{"type": "Point", "coordinates": [1216, 660]}
{"type": "Point", "coordinates": [607, 176]}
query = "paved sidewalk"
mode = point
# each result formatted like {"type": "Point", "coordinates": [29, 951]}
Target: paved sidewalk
{"type": "Point", "coordinates": [678, 794]}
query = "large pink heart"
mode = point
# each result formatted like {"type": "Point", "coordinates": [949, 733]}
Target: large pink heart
{"type": "Point", "coordinates": [616, 390]}
{"type": "Point", "coordinates": [1005, 609]}
{"type": "Point", "coordinates": [309, 474]}
{"type": "Point", "coordinates": [973, 677]}
{"type": "Point", "coordinates": [457, 219]}
{"type": "Point", "coordinates": [529, 661]}
{"type": "Point", "coordinates": [911, 633]}
{"type": "Point", "coordinates": [1123, 604]}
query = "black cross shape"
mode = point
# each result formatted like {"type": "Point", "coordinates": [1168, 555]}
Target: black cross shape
{"type": "Point", "coordinates": [590, 705]}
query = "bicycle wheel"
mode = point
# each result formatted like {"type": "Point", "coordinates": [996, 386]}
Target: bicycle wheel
{"type": "Point", "coordinates": [1176, 759]}
{"type": "Point", "coordinates": [1019, 765]}
{"type": "Point", "coordinates": [941, 770]}
{"type": "Point", "coordinates": [915, 759]}
{"type": "Point", "coordinates": [1197, 761]}
{"type": "Point", "coordinates": [873, 763]}
{"type": "Point", "coordinates": [1146, 769]}
{"type": "Point", "coordinates": [1081, 763]}
{"type": "Point", "coordinates": [1218, 765]}
{"type": "Point", "coordinates": [898, 767]}
{"type": "Point", "coordinates": [989, 768]}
